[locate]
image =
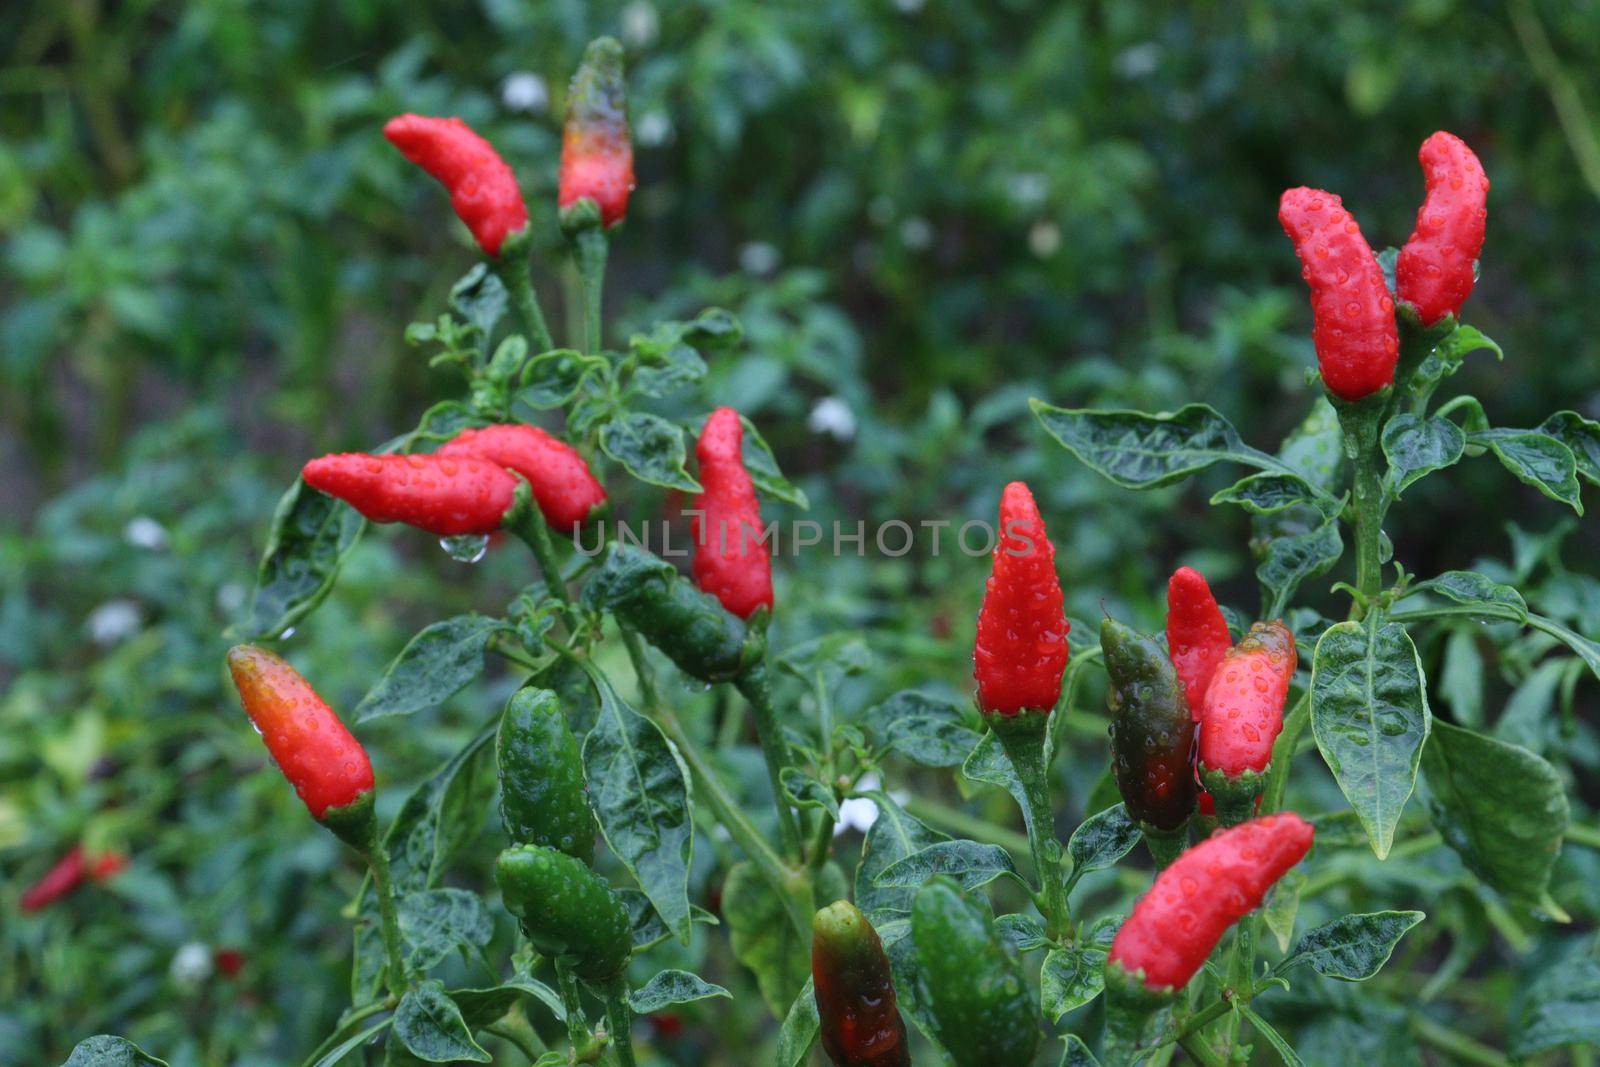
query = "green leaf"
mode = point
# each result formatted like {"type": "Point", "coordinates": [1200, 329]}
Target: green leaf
{"type": "Point", "coordinates": [434, 665]}
{"type": "Point", "coordinates": [1470, 587]}
{"type": "Point", "coordinates": [1447, 356]}
{"type": "Point", "coordinates": [1369, 711]}
{"type": "Point", "coordinates": [1561, 1006]}
{"type": "Point", "coordinates": [1461, 679]}
{"type": "Point", "coordinates": [480, 1007]}
{"type": "Point", "coordinates": [1587, 650]}
{"type": "Point", "coordinates": [672, 987]}
{"type": "Point", "coordinates": [106, 1050]}
{"type": "Point", "coordinates": [1502, 808]}
{"type": "Point", "coordinates": [1141, 451]}
{"type": "Point", "coordinates": [925, 729]}
{"type": "Point", "coordinates": [800, 1027]}
{"type": "Point", "coordinates": [337, 1053]}
{"type": "Point", "coordinates": [1023, 931]}
{"type": "Point", "coordinates": [989, 764]}
{"type": "Point", "coordinates": [968, 862]}
{"type": "Point", "coordinates": [1268, 493]}
{"type": "Point", "coordinates": [763, 468]}
{"type": "Point", "coordinates": [892, 836]}
{"type": "Point", "coordinates": [1352, 948]}
{"type": "Point", "coordinates": [431, 1028]}
{"type": "Point", "coordinates": [763, 938]}
{"type": "Point", "coordinates": [434, 922]}
{"type": "Point", "coordinates": [639, 789]}
{"type": "Point", "coordinates": [551, 379]}
{"type": "Point", "coordinates": [479, 297]}
{"type": "Point", "coordinates": [679, 367]}
{"type": "Point", "coordinates": [651, 448]}
{"type": "Point", "coordinates": [1283, 901]}
{"type": "Point", "coordinates": [1070, 977]}
{"type": "Point", "coordinates": [806, 792]}
{"type": "Point", "coordinates": [1416, 447]}
{"type": "Point", "coordinates": [1076, 1053]}
{"type": "Point", "coordinates": [1536, 459]}
{"type": "Point", "coordinates": [1288, 561]}
{"type": "Point", "coordinates": [311, 534]}
{"type": "Point", "coordinates": [1101, 840]}
{"type": "Point", "coordinates": [1581, 436]}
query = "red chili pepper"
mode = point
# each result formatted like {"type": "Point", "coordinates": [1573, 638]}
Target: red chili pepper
{"type": "Point", "coordinates": [1353, 314]}
{"type": "Point", "coordinates": [563, 486]}
{"type": "Point", "coordinates": [1210, 887]}
{"type": "Point", "coordinates": [1197, 634]}
{"type": "Point", "coordinates": [731, 562]}
{"type": "Point", "coordinates": [666, 1024]}
{"type": "Point", "coordinates": [445, 495]}
{"type": "Point", "coordinates": [1438, 264]}
{"type": "Point", "coordinates": [229, 961]}
{"type": "Point", "coordinates": [596, 153]}
{"type": "Point", "coordinates": [1021, 649]}
{"type": "Point", "coordinates": [107, 866]}
{"type": "Point", "coordinates": [483, 190]}
{"type": "Point", "coordinates": [67, 874]}
{"type": "Point", "coordinates": [1243, 711]}
{"type": "Point", "coordinates": [326, 765]}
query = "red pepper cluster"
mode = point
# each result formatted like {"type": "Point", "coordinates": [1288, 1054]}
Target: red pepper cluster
{"type": "Point", "coordinates": [1020, 653]}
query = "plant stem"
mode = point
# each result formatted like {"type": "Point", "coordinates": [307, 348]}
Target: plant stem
{"type": "Point", "coordinates": [1367, 500]}
{"type": "Point", "coordinates": [589, 248]}
{"type": "Point", "coordinates": [757, 689]}
{"type": "Point", "coordinates": [528, 524]}
{"type": "Point", "coordinates": [619, 1020]}
{"type": "Point", "coordinates": [1241, 968]}
{"type": "Point", "coordinates": [517, 274]}
{"type": "Point", "coordinates": [641, 667]}
{"type": "Point", "coordinates": [1587, 836]}
{"type": "Point", "coordinates": [515, 1029]}
{"type": "Point", "coordinates": [1283, 748]}
{"type": "Point", "coordinates": [1201, 1052]}
{"type": "Point", "coordinates": [1024, 738]}
{"type": "Point", "coordinates": [1462, 1048]}
{"type": "Point", "coordinates": [567, 982]}
{"type": "Point", "coordinates": [388, 917]}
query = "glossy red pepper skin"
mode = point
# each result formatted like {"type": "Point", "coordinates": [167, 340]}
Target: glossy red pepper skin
{"type": "Point", "coordinates": [1197, 634]}
{"type": "Point", "coordinates": [567, 492]}
{"type": "Point", "coordinates": [326, 765]}
{"type": "Point", "coordinates": [731, 562]}
{"type": "Point", "coordinates": [860, 1019]}
{"type": "Point", "coordinates": [596, 151]}
{"type": "Point", "coordinates": [1354, 328]}
{"type": "Point", "coordinates": [445, 495]}
{"type": "Point", "coordinates": [1021, 649]}
{"type": "Point", "coordinates": [1210, 887]}
{"type": "Point", "coordinates": [1243, 711]}
{"type": "Point", "coordinates": [483, 190]}
{"type": "Point", "coordinates": [1437, 266]}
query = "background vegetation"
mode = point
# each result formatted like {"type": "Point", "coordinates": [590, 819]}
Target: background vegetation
{"type": "Point", "coordinates": [923, 212]}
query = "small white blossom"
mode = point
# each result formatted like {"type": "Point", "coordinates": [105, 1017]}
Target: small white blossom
{"type": "Point", "coordinates": [640, 24]}
{"type": "Point", "coordinates": [144, 532]}
{"type": "Point", "coordinates": [831, 415]}
{"type": "Point", "coordinates": [759, 258]}
{"type": "Point", "coordinates": [113, 621]}
{"type": "Point", "coordinates": [525, 91]}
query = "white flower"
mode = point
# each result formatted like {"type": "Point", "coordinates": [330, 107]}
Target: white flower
{"type": "Point", "coordinates": [759, 258]}
{"type": "Point", "coordinates": [191, 964]}
{"type": "Point", "coordinates": [113, 621]}
{"type": "Point", "coordinates": [1044, 239]}
{"type": "Point", "coordinates": [833, 416]}
{"type": "Point", "coordinates": [524, 91]}
{"type": "Point", "coordinates": [144, 532]}
{"type": "Point", "coordinates": [640, 24]}
{"type": "Point", "coordinates": [653, 128]}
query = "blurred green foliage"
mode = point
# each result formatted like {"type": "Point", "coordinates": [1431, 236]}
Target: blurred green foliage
{"type": "Point", "coordinates": [923, 212]}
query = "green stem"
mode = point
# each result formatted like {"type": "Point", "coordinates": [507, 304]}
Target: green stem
{"type": "Point", "coordinates": [1586, 836]}
{"type": "Point", "coordinates": [757, 689]}
{"type": "Point", "coordinates": [1024, 738]}
{"type": "Point", "coordinates": [516, 1030]}
{"type": "Point", "coordinates": [619, 1021]}
{"type": "Point", "coordinates": [347, 1024]}
{"type": "Point", "coordinates": [1367, 500]}
{"type": "Point", "coordinates": [517, 275]}
{"type": "Point", "coordinates": [1200, 1051]}
{"type": "Point", "coordinates": [589, 248]}
{"type": "Point", "coordinates": [1165, 845]}
{"type": "Point", "coordinates": [1283, 749]}
{"type": "Point", "coordinates": [577, 1024]}
{"type": "Point", "coordinates": [641, 667]}
{"type": "Point", "coordinates": [1241, 968]}
{"type": "Point", "coordinates": [388, 917]}
{"type": "Point", "coordinates": [528, 523]}
{"type": "Point", "coordinates": [1462, 1048]}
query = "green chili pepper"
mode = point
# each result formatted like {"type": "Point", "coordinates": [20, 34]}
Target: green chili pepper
{"type": "Point", "coordinates": [973, 984]}
{"type": "Point", "coordinates": [647, 594]}
{"type": "Point", "coordinates": [566, 910]}
{"type": "Point", "coordinates": [1152, 731]}
{"type": "Point", "coordinates": [543, 800]}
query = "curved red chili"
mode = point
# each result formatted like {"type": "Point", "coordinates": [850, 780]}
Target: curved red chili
{"type": "Point", "coordinates": [1210, 887]}
{"type": "Point", "coordinates": [1352, 312]}
{"type": "Point", "coordinates": [1197, 634]}
{"type": "Point", "coordinates": [446, 495]}
{"type": "Point", "coordinates": [483, 189]}
{"type": "Point", "coordinates": [1020, 652]}
{"type": "Point", "coordinates": [566, 491]}
{"type": "Point", "coordinates": [596, 152]}
{"type": "Point", "coordinates": [731, 561]}
{"type": "Point", "coordinates": [1243, 711]}
{"type": "Point", "coordinates": [326, 765]}
{"type": "Point", "coordinates": [1438, 265]}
